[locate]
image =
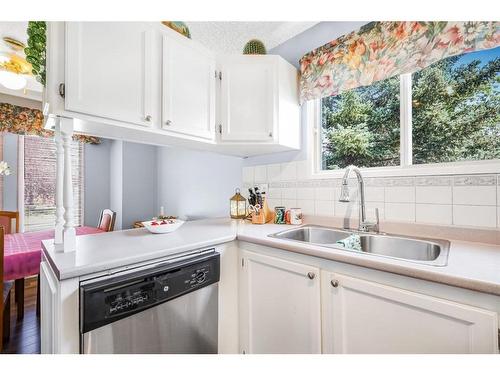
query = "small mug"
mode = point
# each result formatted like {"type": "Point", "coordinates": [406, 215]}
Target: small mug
{"type": "Point", "coordinates": [279, 215]}
{"type": "Point", "coordinates": [294, 216]}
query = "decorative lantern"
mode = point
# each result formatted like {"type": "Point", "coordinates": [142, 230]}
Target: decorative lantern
{"type": "Point", "coordinates": [238, 206]}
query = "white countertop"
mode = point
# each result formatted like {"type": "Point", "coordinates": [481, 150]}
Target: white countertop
{"type": "Point", "coordinates": [471, 265]}
{"type": "Point", "coordinates": [104, 251]}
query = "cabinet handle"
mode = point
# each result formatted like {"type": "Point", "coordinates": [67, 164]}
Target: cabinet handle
{"type": "Point", "coordinates": [311, 275]}
{"type": "Point", "coordinates": [168, 122]}
{"type": "Point", "coordinates": [148, 118]}
{"type": "Point", "coordinates": [335, 283]}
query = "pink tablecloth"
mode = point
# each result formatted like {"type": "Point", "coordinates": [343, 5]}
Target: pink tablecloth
{"type": "Point", "coordinates": [23, 251]}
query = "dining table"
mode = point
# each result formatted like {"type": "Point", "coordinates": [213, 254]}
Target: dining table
{"type": "Point", "coordinates": [22, 255]}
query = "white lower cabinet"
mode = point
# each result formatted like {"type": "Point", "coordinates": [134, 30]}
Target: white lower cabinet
{"type": "Point", "coordinates": [361, 316]}
{"type": "Point", "coordinates": [280, 309]}
{"type": "Point", "coordinates": [48, 311]}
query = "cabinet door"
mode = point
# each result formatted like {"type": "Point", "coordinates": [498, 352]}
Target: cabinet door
{"type": "Point", "coordinates": [365, 317]}
{"type": "Point", "coordinates": [248, 99]}
{"type": "Point", "coordinates": [109, 70]}
{"type": "Point", "coordinates": [279, 306]}
{"type": "Point", "coordinates": [48, 310]}
{"type": "Point", "coordinates": [188, 103]}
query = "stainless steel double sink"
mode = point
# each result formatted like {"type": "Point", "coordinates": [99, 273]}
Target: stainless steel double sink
{"type": "Point", "coordinates": [420, 250]}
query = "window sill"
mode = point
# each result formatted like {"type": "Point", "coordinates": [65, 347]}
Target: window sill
{"type": "Point", "coordinates": [472, 167]}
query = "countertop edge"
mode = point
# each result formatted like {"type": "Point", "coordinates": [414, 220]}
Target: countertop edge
{"type": "Point", "coordinates": [456, 281]}
{"type": "Point", "coordinates": [81, 271]}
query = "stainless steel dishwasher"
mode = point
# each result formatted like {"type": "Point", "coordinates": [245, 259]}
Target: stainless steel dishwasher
{"type": "Point", "coordinates": [169, 308]}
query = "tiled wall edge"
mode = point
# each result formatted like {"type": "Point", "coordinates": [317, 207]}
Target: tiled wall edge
{"type": "Point", "coordinates": [291, 176]}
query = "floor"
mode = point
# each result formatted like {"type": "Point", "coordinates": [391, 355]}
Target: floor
{"type": "Point", "coordinates": [24, 334]}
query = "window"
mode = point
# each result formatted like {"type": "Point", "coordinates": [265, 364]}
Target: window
{"type": "Point", "coordinates": [40, 182]}
{"type": "Point", "coordinates": [455, 116]}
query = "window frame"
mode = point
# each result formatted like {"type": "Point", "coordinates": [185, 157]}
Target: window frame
{"type": "Point", "coordinates": [20, 184]}
{"type": "Point", "coordinates": [406, 167]}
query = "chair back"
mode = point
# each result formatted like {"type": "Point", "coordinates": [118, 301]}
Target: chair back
{"type": "Point", "coordinates": [6, 218]}
{"type": "Point", "coordinates": [107, 220]}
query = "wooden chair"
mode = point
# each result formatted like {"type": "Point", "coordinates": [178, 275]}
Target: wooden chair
{"type": "Point", "coordinates": [5, 300]}
{"type": "Point", "coordinates": [6, 218]}
{"type": "Point", "coordinates": [107, 220]}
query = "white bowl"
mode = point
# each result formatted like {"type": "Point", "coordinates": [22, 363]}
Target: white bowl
{"type": "Point", "coordinates": [162, 228]}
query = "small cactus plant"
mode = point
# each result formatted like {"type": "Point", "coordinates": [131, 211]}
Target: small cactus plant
{"type": "Point", "coordinates": [254, 47]}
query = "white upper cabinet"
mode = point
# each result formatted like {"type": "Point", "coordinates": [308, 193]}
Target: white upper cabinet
{"type": "Point", "coordinates": [109, 71]}
{"type": "Point", "coordinates": [280, 310]}
{"type": "Point", "coordinates": [188, 99]}
{"type": "Point", "coordinates": [143, 82]}
{"type": "Point", "coordinates": [249, 89]}
{"type": "Point", "coordinates": [259, 100]}
{"type": "Point", "coordinates": [361, 316]}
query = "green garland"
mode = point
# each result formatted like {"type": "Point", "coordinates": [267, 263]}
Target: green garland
{"type": "Point", "coordinates": [36, 49]}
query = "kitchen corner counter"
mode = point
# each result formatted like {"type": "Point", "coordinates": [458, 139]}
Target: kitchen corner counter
{"type": "Point", "coordinates": [471, 265]}
{"type": "Point", "coordinates": [104, 251]}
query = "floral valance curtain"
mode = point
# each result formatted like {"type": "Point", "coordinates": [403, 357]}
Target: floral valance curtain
{"type": "Point", "coordinates": [27, 121]}
{"type": "Point", "coordinates": [380, 50]}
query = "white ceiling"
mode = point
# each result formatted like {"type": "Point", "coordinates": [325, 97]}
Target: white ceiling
{"type": "Point", "coordinates": [230, 37]}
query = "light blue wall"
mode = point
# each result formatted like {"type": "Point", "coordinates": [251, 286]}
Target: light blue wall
{"type": "Point", "coordinates": [115, 191]}
{"type": "Point", "coordinates": [292, 50]}
{"type": "Point", "coordinates": [140, 183]}
{"type": "Point", "coordinates": [196, 184]}
{"type": "Point", "coordinates": [96, 181]}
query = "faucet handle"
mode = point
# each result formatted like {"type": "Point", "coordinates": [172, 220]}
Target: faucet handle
{"type": "Point", "coordinates": [372, 226]}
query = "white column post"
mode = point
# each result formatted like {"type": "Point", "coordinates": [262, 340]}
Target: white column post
{"type": "Point", "coordinates": [58, 238]}
{"type": "Point", "coordinates": [69, 234]}
{"type": "Point", "coordinates": [405, 114]}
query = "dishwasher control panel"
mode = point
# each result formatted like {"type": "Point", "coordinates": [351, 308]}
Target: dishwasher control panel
{"type": "Point", "coordinates": [116, 298]}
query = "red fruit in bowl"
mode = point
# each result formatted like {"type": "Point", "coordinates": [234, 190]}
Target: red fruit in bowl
{"type": "Point", "coordinates": [154, 223]}
{"type": "Point", "coordinates": [164, 222]}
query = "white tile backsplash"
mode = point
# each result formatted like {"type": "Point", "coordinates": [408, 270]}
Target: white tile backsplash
{"type": "Point", "coordinates": [274, 193]}
{"type": "Point", "coordinates": [433, 194]}
{"type": "Point", "coordinates": [400, 194]}
{"type": "Point", "coordinates": [399, 211]}
{"type": "Point", "coordinates": [475, 216]}
{"type": "Point", "coordinates": [324, 193]}
{"type": "Point", "coordinates": [374, 194]}
{"type": "Point", "coordinates": [289, 203]}
{"type": "Point", "coordinates": [289, 193]}
{"type": "Point", "coordinates": [288, 171]}
{"type": "Point", "coordinates": [324, 208]}
{"type": "Point", "coordinates": [273, 203]}
{"type": "Point", "coordinates": [434, 214]}
{"type": "Point", "coordinates": [301, 167]}
{"type": "Point", "coordinates": [460, 200]}
{"type": "Point", "coordinates": [305, 193]}
{"type": "Point", "coordinates": [346, 209]}
{"type": "Point", "coordinates": [248, 175]}
{"type": "Point", "coordinates": [475, 195]}
{"type": "Point", "coordinates": [307, 206]}
{"type": "Point", "coordinates": [260, 174]}
{"type": "Point", "coordinates": [273, 172]}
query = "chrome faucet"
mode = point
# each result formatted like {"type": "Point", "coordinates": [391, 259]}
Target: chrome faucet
{"type": "Point", "coordinates": [364, 225]}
